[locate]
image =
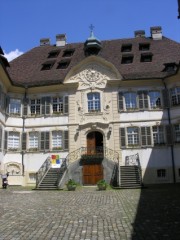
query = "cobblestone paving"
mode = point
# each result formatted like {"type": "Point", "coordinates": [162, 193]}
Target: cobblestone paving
{"type": "Point", "coordinates": [87, 214]}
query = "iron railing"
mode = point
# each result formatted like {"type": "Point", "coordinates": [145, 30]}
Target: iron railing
{"type": "Point", "coordinates": [43, 170]}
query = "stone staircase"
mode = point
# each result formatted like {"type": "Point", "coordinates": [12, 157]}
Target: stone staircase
{"type": "Point", "coordinates": [49, 181]}
{"type": "Point", "coordinates": [130, 177]}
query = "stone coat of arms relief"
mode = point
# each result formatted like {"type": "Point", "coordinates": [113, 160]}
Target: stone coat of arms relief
{"type": "Point", "coordinates": [93, 77]}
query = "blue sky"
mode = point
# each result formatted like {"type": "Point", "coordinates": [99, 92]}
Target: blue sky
{"type": "Point", "coordinates": [24, 22]}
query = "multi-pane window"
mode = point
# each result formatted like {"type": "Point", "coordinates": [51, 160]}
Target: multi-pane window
{"type": "Point", "coordinates": [175, 96]}
{"type": "Point", "coordinates": [94, 102]}
{"type": "Point", "coordinates": [57, 140]}
{"type": "Point", "coordinates": [35, 106]}
{"type": "Point", "coordinates": [130, 100]}
{"type": "Point", "coordinates": [155, 99]}
{"type": "Point", "coordinates": [158, 135]}
{"type": "Point", "coordinates": [133, 136]}
{"type": "Point", "coordinates": [13, 141]}
{"type": "Point", "coordinates": [57, 104]}
{"type": "Point", "coordinates": [33, 140]}
{"type": "Point", "coordinates": [177, 132]}
{"type": "Point", "coordinates": [15, 106]}
{"type": "Point", "coordinates": [161, 173]}
{"type": "Point", "coordinates": [139, 100]}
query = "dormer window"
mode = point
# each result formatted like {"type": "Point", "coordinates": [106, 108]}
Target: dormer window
{"type": "Point", "coordinates": [126, 59]}
{"type": "Point", "coordinates": [63, 64]}
{"type": "Point", "coordinates": [170, 67]}
{"type": "Point", "coordinates": [126, 48]}
{"type": "Point", "coordinates": [68, 53]}
{"type": "Point", "coordinates": [144, 46]}
{"type": "Point", "coordinates": [47, 65]}
{"type": "Point", "coordinates": [53, 54]}
{"type": "Point", "coordinates": [146, 57]}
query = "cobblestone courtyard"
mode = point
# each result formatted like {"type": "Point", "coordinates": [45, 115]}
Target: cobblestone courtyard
{"type": "Point", "coordinates": [88, 214]}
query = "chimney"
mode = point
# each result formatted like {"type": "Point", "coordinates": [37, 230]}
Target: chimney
{"type": "Point", "coordinates": [156, 33]}
{"type": "Point", "coordinates": [139, 33]}
{"type": "Point", "coordinates": [60, 40]}
{"type": "Point", "coordinates": [44, 41]}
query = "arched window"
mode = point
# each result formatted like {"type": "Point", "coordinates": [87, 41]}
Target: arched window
{"type": "Point", "coordinates": [94, 104]}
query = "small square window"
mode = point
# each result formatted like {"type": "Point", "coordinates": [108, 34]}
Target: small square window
{"type": "Point", "coordinates": [53, 54]}
{"type": "Point", "coordinates": [146, 57]}
{"type": "Point", "coordinates": [68, 53]}
{"type": "Point", "coordinates": [144, 46]}
{"type": "Point", "coordinates": [63, 64]}
{"type": "Point", "coordinates": [126, 48]}
{"type": "Point", "coordinates": [127, 59]}
{"type": "Point", "coordinates": [161, 173]}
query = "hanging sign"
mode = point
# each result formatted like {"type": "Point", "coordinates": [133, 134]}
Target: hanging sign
{"type": "Point", "coordinates": [55, 161]}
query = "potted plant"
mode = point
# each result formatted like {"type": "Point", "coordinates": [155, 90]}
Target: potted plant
{"type": "Point", "coordinates": [71, 185]}
{"type": "Point", "coordinates": [102, 185]}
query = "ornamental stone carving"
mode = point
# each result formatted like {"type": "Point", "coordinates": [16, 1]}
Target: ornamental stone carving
{"type": "Point", "coordinates": [13, 168]}
{"type": "Point", "coordinates": [93, 76]}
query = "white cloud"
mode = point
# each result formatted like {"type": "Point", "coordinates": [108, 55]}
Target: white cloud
{"type": "Point", "coordinates": [13, 54]}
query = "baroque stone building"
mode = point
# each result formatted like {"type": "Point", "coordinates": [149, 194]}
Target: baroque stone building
{"type": "Point", "coordinates": [97, 106]}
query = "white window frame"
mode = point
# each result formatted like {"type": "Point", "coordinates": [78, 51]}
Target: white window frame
{"type": "Point", "coordinates": [94, 104]}
{"type": "Point", "coordinates": [57, 140]}
{"type": "Point", "coordinates": [155, 101]}
{"type": "Point", "coordinates": [158, 135]}
{"type": "Point", "coordinates": [35, 106]}
{"type": "Point", "coordinates": [132, 136]}
{"type": "Point", "coordinates": [15, 106]}
{"type": "Point", "coordinates": [175, 96]}
{"type": "Point", "coordinates": [13, 141]}
{"type": "Point", "coordinates": [59, 103]}
{"type": "Point", "coordinates": [33, 141]}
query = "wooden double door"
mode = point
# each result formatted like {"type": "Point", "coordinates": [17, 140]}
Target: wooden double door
{"type": "Point", "coordinates": [92, 173]}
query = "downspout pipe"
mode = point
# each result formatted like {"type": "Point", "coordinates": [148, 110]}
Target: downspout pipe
{"type": "Point", "coordinates": [172, 146]}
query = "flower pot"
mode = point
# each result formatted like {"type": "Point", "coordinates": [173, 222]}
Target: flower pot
{"type": "Point", "coordinates": [101, 187]}
{"type": "Point", "coordinates": [71, 187]}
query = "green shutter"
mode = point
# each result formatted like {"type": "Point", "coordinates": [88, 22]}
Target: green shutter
{"type": "Point", "coordinates": [169, 135]}
{"type": "Point", "coordinates": [122, 134]}
{"type": "Point", "coordinates": [146, 136]}
{"type": "Point", "coordinates": [42, 141]}
{"type": "Point", "coordinates": [5, 139]}
{"type": "Point", "coordinates": [0, 137]}
{"type": "Point", "coordinates": [43, 105]}
{"type": "Point", "coordinates": [7, 104]}
{"type": "Point", "coordinates": [120, 101]}
{"type": "Point", "coordinates": [66, 140]}
{"type": "Point", "coordinates": [66, 104]}
{"type": "Point", "coordinates": [46, 147]}
{"type": "Point", "coordinates": [25, 106]}
{"type": "Point", "coordinates": [166, 100]}
{"type": "Point", "coordinates": [24, 141]}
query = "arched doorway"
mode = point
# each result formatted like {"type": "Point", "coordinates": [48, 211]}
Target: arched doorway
{"type": "Point", "coordinates": [92, 164]}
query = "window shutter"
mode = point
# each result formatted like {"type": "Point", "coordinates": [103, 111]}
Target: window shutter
{"type": "Point", "coordinates": [0, 137]}
{"type": "Point", "coordinates": [43, 105]}
{"type": "Point", "coordinates": [25, 106]}
{"type": "Point", "coordinates": [66, 104]}
{"type": "Point", "coordinates": [166, 100]}
{"type": "Point", "coordinates": [3, 104]}
{"type": "Point", "coordinates": [7, 103]}
{"type": "Point", "coordinates": [169, 135]}
{"type": "Point", "coordinates": [44, 141]}
{"type": "Point", "coordinates": [146, 136]}
{"type": "Point", "coordinates": [122, 134]}
{"type": "Point", "coordinates": [48, 105]}
{"type": "Point", "coordinates": [121, 105]}
{"type": "Point", "coordinates": [66, 140]}
{"type": "Point", "coordinates": [146, 99]}
{"type": "Point", "coordinates": [24, 141]}
{"type": "Point", "coordinates": [5, 139]}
